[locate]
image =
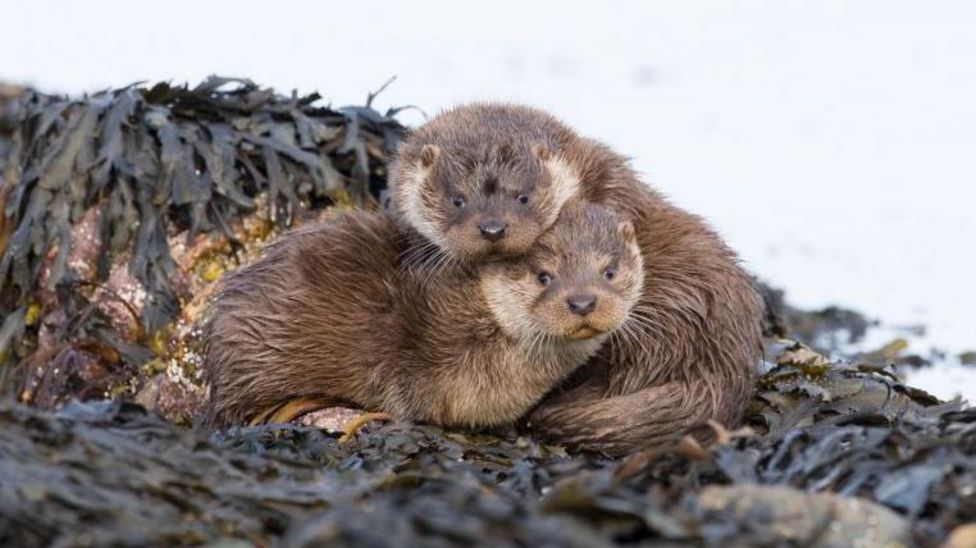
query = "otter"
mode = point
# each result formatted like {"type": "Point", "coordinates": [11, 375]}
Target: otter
{"type": "Point", "coordinates": [356, 311]}
{"type": "Point", "coordinates": [487, 180]}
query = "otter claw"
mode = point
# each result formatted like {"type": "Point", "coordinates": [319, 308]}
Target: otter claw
{"type": "Point", "coordinates": [350, 428]}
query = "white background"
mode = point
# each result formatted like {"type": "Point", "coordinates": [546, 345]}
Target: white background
{"type": "Point", "coordinates": [833, 143]}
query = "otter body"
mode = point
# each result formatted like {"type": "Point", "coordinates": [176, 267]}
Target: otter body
{"type": "Point", "coordinates": [692, 343]}
{"type": "Point", "coordinates": [350, 310]}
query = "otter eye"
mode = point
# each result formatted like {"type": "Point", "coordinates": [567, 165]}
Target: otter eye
{"type": "Point", "coordinates": [544, 278]}
{"type": "Point", "coordinates": [523, 199]}
{"type": "Point", "coordinates": [457, 201]}
{"type": "Point", "coordinates": [609, 273]}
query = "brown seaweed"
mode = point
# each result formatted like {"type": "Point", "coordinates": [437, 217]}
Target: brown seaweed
{"type": "Point", "coordinates": [164, 163]}
{"type": "Point", "coordinates": [835, 453]}
{"type": "Point", "coordinates": [861, 460]}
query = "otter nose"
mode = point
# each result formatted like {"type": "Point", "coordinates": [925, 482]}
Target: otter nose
{"type": "Point", "coordinates": [581, 304]}
{"type": "Point", "coordinates": [492, 230]}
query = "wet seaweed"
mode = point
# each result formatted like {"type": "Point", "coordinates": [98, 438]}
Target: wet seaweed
{"type": "Point", "coordinates": [835, 453]}
{"type": "Point", "coordinates": [164, 163]}
{"type": "Point", "coordinates": [108, 473]}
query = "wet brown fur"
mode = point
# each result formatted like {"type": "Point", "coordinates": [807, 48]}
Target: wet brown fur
{"type": "Point", "coordinates": [351, 310]}
{"type": "Point", "coordinates": [690, 350]}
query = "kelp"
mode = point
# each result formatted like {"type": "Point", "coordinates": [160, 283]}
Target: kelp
{"type": "Point", "coordinates": [145, 168]}
{"type": "Point", "coordinates": [838, 455]}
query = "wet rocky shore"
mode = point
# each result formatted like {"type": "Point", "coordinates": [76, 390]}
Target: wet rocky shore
{"type": "Point", "coordinates": [121, 210]}
{"type": "Point", "coordinates": [833, 455]}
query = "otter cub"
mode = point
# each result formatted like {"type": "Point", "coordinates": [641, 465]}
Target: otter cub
{"type": "Point", "coordinates": [486, 180]}
{"type": "Point", "coordinates": [342, 310]}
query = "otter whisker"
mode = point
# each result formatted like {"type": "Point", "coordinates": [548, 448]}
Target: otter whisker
{"type": "Point", "coordinates": [642, 328]}
{"type": "Point", "coordinates": [441, 261]}
{"type": "Point", "coordinates": [539, 343]}
{"type": "Point", "coordinates": [638, 314]}
{"type": "Point", "coordinates": [420, 262]}
{"type": "Point", "coordinates": [623, 337]}
{"type": "Point", "coordinates": [632, 334]}
{"type": "Point", "coordinates": [652, 325]}
{"type": "Point", "coordinates": [532, 344]}
{"type": "Point", "coordinates": [423, 257]}
{"type": "Point", "coordinates": [412, 256]}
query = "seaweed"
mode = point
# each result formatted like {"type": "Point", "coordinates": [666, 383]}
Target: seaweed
{"type": "Point", "coordinates": [122, 208]}
{"type": "Point", "coordinates": [153, 165]}
{"type": "Point", "coordinates": [9, 106]}
{"type": "Point", "coordinates": [876, 466]}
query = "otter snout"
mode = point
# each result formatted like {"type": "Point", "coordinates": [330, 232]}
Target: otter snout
{"type": "Point", "coordinates": [492, 230]}
{"type": "Point", "coordinates": [581, 304]}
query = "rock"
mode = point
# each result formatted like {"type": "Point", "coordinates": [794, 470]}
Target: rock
{"type": "Point", "coordinates": [819, 519]}
{"type": "Point", "coordinates": [330, 419]}
{"type": "Point", "coordinates": [172, 396]}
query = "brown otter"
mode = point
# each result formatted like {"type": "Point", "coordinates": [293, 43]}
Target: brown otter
{"type": "Point", "coordinates": [487, 179]}
{"type": "Point", "coordinates": [344, 310]}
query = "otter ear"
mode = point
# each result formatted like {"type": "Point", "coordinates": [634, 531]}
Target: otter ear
{"type": "Point", "coordinates": [626, 231]}
{"type": "Point", "coordinates": [429, 153]}
{"type": "Point", "coordinates": [542, 151]}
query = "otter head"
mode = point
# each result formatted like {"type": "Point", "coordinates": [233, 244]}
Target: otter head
{"type": "Point", "coordinates": [481, 200]}
{"type": "Point", "coordinates": [579, 281]}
